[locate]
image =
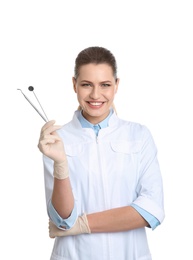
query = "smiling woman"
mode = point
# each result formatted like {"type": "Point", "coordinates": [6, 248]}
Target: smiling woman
{"type": "Point", "coordinates": [102, 177]}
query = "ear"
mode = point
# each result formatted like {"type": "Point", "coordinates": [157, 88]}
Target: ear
{"type": "Point", "coordinates": [117, 85]}
{"type": "Point", "coordinates": [74, 84]}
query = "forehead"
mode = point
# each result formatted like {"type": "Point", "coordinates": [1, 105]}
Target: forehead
{"type": "Point", "coordinates": [92, 70]}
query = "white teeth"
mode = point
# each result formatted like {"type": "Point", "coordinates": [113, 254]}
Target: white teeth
{"type": "Point", "coordinates": [95, 103]}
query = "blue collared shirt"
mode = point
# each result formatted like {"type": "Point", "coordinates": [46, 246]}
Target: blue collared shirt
{"type": "Point", "coordinates": [152, 221]}
{"type": "Point", "coordinates": [86, 124]}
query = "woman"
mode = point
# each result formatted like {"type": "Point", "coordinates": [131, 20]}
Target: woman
{"type": "Point", "coordinates": [102, 178]}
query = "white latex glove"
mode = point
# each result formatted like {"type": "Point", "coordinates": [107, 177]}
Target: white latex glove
{"type": "Point", "coordinates": [51, 145]}
{"type": "Point", "coordinates": [80, 227]}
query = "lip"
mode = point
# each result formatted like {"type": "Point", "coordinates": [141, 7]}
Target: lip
{"type": "Point", "coordinates": [95, 104]}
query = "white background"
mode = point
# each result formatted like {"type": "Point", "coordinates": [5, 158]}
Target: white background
{"type": "Point", "coordinates": [153, 44]}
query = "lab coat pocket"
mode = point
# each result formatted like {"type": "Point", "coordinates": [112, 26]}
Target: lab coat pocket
{"type": "Point", "coordinates": [127, 147]}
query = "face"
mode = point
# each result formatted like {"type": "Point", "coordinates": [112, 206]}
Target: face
{"type": "Point", "coordinates": [95, 88]}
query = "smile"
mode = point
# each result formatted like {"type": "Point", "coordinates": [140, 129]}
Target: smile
{"type": "Point", "coordinates": [95, 103]}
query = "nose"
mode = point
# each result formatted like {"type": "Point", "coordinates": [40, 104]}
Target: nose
{"type": "Point", "coordinates": [95, 93]}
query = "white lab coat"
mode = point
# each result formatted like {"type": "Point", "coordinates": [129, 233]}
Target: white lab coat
{"type": "Point", "coordinates": [115, 169]}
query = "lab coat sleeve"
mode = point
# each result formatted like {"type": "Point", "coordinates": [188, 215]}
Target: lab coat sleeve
{"type": "Point", "coordinates": [60, 222]}
{"type": "Point", "coordinates": [152, 221]}
{"type": "Point", "coordinates": [150, 184]}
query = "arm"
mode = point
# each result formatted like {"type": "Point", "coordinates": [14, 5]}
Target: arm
{"type": "Point", "coordinates": [62, 197]}
{"type": "Point", "coordinates": [116, 220]}
{"type": "Point", "coordinates": [51, 145]}
{"type": "Point", "coordinates": [113, 220]}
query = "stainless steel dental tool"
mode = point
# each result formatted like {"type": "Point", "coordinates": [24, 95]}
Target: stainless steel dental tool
{"type": "Point", "coordinates": [45, 118]}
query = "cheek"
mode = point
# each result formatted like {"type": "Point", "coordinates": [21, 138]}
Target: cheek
{"type": "Point", "coordinates": [110, 94]}
{"type": "Point", "coordinates": [80, 95]}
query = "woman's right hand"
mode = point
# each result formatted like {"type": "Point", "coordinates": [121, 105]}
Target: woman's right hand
{"type": "Point", "coordinates": [50, 144]}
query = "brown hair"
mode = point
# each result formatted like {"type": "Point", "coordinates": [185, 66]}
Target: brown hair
{"type": "Point", "coordinates": [97, 55]}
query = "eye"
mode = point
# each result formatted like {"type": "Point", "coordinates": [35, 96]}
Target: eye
{"type": "Point", "coordinates": [105, 85]}
{"type": "Point", "coordinates": [85, 84]}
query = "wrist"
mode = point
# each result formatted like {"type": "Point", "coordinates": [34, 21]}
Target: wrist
{"type": "Point", "coordinates": [61, 170]}
{"type": "Point", "coordinates": [61, 159]}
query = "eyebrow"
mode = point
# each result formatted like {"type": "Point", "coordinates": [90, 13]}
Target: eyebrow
{"type": "Point", "coordinates": [104, 81]}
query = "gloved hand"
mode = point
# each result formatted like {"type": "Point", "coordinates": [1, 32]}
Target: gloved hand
{"type": "Point", "coordinates": [80, 227]}
{"type": "Point", "coordinates": [51, 145]}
